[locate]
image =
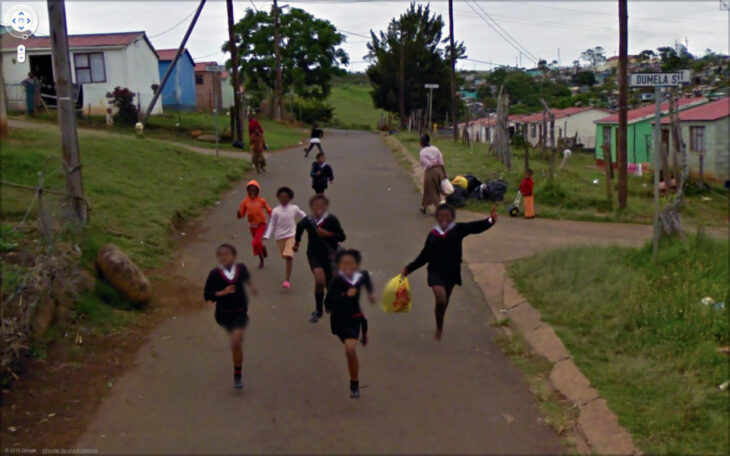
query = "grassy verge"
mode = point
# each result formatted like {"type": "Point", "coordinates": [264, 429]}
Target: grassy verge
{"type": "Point", "coordinates": [638, 331]}
{"type": "Point", "coordinates": [177, 126]}
{"type": "Point", "coordinates": [572, 194]}
{"type": "Point", "coordinates": [353, 107]}
{"type": "Point", "coordinates": [139, 191]}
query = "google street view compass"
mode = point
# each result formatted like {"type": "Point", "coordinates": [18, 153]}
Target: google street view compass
{"type": "Point", "coordinates": [21, 21]}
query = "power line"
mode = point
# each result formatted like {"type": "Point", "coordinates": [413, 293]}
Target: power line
{"type": "Point", "coordinates": [511, 41]}
{"type": "Point", "coordinates": [353, 33]}
{"type": "Point", "coordinates": [254, 6]}
{"type": "Point", "coordinates": [174, 26]}
{"type": "Point", "coordinates": [505, 31]}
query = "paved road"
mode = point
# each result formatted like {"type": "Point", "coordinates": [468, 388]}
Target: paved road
{"type": "Point", "coordinates": [418, 396]}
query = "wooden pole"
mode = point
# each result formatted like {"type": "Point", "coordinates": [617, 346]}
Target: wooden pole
{"type": "Point", "coordinates": [277, 57]}
{"type": "Point", "coordinates": [453, 69]}
{"type": "Point", "coordinates": [65, 106]}
{"type": "Point", "coordinates": [402, 81]}
{"type": "Point", "coordinates": [657, 164]}
{"type": "Point", "coordinates": [527, 146]}
{"type": "Point", "coordinates": [179, 52]}
{"type": "Point", "coordinates": [4, 134]}
{"type": "Point", "coordinates": [623, 90]}
{"type": "Point", "coordinates": [607, 170]}
{"type": "Point", "coordinates": [237, 115]}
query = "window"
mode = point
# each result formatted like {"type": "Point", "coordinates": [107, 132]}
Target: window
{"type": "Point", "coordinates": [607, 135]}
{"type": "Point", "coordinates": [89, 67]}
{"type": "Point", "coordinates": [533, 130]}
{"type": "Point", "coordinates": [199, 79]}
{"type": "Point", "coordinates": [697, 139]}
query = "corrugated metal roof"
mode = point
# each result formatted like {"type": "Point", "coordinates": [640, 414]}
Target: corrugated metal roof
{"type": "Point", "coordinates": [558, 113]}
{"type": "Point", "coordinates": [200, 66]}
{"type": "Point", "coordinates": [647, 111]}
{"type": "Point", "coordinates": [74, 41]}
{"type": "Point", "coordinates": [710, 111]}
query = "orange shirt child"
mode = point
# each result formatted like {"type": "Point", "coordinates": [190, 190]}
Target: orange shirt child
{"type": "Point", "coordinates": [255, 208]}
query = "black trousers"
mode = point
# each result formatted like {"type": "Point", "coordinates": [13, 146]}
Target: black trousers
{"type": "Point", "coordinates": [311, 145]}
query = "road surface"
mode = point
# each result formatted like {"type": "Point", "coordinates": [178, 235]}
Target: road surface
{"type": "Point", "coordinates": [461, 395]}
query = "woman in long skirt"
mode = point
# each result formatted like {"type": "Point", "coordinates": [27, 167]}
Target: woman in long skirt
{"type": "Point", "coordinates": [434, 172]}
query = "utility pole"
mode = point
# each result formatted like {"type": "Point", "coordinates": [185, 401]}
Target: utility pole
{"type": "Point", "coordinates": [277, 54]}
{"type": "Point", "coordinates": [622, 158]}
{"type": "Point", "coordinates": [453, 70]}
{"type": "Point", "coordinates": [171, 67]}
{"type": "Point", "coordinates": [71, 159]}
{"type": "Point", "coordinates": [237, 95]}
{"type": "Point", "coordinates": [402, 84]}
{"type": "Point", "coordinates": [4, 134]}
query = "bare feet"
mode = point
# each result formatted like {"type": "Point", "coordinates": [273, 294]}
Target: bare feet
{"type": "Point", "coordinates": [437, 335]}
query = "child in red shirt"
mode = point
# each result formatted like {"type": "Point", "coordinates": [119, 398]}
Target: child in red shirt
{"type": "Point", "coordinates": [526, 187]}
{"type": "Point", "coordinates": [255, 208]}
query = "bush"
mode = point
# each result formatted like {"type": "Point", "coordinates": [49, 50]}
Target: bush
{"type": "Point", "coordinates": [123, 99]}
{"type": "Point", "coordinates": [313, 111]}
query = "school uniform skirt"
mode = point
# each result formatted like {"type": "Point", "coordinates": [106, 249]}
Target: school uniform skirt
{"type": "Point", "coordinates": [432, 178]}
{"type": "Point", "coordinates": [230, 320]}
{"type": "Point", "coordinates": [346, 327]}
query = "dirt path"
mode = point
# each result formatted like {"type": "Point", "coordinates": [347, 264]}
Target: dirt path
{"type": "Point", "coordinates": [458, 396]}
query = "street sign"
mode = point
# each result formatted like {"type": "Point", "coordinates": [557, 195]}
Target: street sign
{"type": "Point", "coordinates": [431, 86]}
{"type": "Point", "coordinates": [216, 68]}
{"type": "Point", "coordinates": [657, 79]}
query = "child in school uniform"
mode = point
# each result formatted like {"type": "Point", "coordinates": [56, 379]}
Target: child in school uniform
{"type": "Point", "coordinates": [346, 317]}
{"type": "Point", "coordinates": [442, 252]}
{"type": "Point", "coordinates": [325, 233]}
{"type": "Point", "coordinates": [321, 174]}
{"type": "Point", "coordinates": [282, 225]}
{"type": "Point", "coordinates": [226, 287]}
{"type": "Point", "coordinates": [315, 140]}
{"type": "Point", "coordinates": [255, 208]}
{"type": "Point", "coordinates": [526, 187]}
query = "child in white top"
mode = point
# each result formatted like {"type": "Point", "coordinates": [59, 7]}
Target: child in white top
{"type": "Point", "coordinates": [283, 225]}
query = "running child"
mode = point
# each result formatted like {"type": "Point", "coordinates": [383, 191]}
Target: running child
{"type": "Point", "coordinates": [321, 174]}
{"type": "Point", "coordinates": [346, 317]}
{"type": "Point", "coordinates": [282, 225]}
{"type": "Point", "coordinates": [315, 139]}
{"type": "Point", "coordinates": [442, 253]}
{"type": "Point", "coordinates": [226, 287]}
{"type": "Point", "coordinates": [255, 208]}
{"type": "Point", "coordinates": [526, 189]}
{"type": "Point", "coordinates": [325, 233]}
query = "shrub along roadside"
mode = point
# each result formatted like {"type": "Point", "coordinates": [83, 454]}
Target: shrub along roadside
{"type": "Point", "coordinates": [639, 332]}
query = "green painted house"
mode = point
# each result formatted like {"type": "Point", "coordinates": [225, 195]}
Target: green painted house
{"type": "Point", "coordinates": [639, 131]}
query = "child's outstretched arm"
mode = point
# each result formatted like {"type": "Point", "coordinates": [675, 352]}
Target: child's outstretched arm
{"type": "Point", "coordinates": [242, 209]}
{"type": "Point", "coordinates": [271, 226]}
{"type": "Point", "coordinates": [338, 234]}
{"type": "Point", "coordinates": [478, 226]}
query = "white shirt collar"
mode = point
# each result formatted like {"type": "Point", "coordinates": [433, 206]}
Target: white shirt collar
{"type": "Point", "coordinates": [321, 219]}
{"type": "Point", "coordinates": [355, 278]}
{"type": "Point", "coordinates": [442, 232]}
{"type": "Point", "coordinates": [229, 274]}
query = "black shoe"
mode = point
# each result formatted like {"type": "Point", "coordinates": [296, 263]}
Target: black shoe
{"type": "Point", "coordinates": [316, 315]}
{"type": "Point", "coordinates": [354, 390]}
{"type": "Point", "coordinates": [237, 382]}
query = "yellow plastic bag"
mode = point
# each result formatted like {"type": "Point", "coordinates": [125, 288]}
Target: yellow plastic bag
{"type": "Point", "coordinates": [460, 181]}
{"type": "Point", "coordinates": [397, 295]}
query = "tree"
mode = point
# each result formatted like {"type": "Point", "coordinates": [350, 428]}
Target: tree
{"type": "Point", "coordinates": [417, 37]}
{"type": "Point", "coordinates": [584, 78]}
{"type": "Point", "coordinates": [646, 54]}
{"type": "Point", "coordinates": [672, 61]}
{"type": "Point", "coordinates": [310, 52]}
{"type": "Point", "coordinates": [594, 56]}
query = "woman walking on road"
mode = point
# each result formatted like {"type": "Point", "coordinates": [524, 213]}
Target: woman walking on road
{"type": "Point", "coordinates": [434, 172]}
{"type": "Point", "coordinates": [315, 139]}
{"type": "Point", "coordinates": [258, 144]}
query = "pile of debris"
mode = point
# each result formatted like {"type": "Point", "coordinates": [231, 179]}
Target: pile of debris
{"type": "Point", "coordinates": [468, 186]}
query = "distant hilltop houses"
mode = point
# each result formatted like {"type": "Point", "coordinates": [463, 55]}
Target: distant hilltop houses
{"type": "Point", "coordinates": [102, 61]}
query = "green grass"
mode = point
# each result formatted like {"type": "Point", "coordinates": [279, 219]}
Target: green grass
{"type": "Point", "coordinates": [139, 190]}
{"type": "Point", "coordinates": [353, 107]}
{"type": "Point", "coordinates": [177, 126]}
{"type": "Point", "coordinates": [571, 194]}
{"type": "Point", "coordinates": [638, 331]}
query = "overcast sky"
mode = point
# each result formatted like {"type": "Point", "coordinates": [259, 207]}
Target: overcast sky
{"type": "Point", "coordinates": [549, 30]}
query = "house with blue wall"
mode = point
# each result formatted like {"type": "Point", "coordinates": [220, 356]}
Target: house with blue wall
{"type": "Point", "coordinates": [179, 92]}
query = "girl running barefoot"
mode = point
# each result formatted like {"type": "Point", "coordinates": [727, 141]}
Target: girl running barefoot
{"type": "Point", "coordinates": [226, 287]}
{"type": "Point", "coordinates": [282, 225]}
{"type": "Point", "coordinates": [256, 208]}
{"type": "Point", "coordinates": [346, 318]}
{"type": "Point", "coordinates": [442, 253]}
{"type": "Point", "coordinates": [325, 233]}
